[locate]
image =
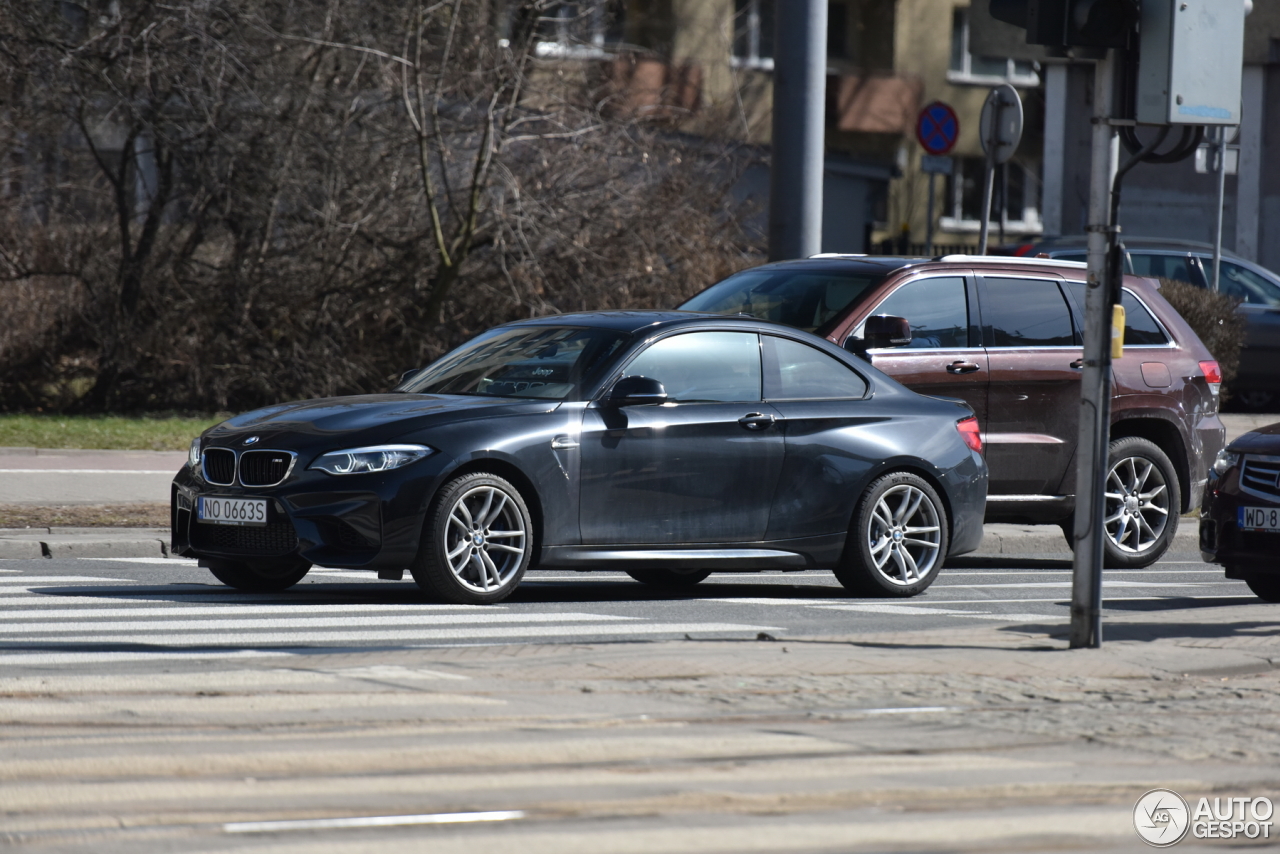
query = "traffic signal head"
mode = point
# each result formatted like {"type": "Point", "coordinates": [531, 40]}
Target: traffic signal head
{"type": "Point", "coordinates": [1071, 23]}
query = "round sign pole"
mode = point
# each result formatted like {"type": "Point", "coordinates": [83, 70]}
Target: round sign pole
{"type": "Point", "coordinates": [1000, 130]}
{"type": "Point", "coordinates": [937, 128]}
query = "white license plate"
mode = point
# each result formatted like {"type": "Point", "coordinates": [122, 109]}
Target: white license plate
{"type": "Point", "coordinates": [232, 511]}
{"type": "Point", "coordinates": [1259, 518]}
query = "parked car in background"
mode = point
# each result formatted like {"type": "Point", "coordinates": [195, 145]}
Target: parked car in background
{"type": "Point", "coordinates": [1004, 334]}
{"type": "Point", "coordinates": [1240, 511]}
{"type": "Point", "coordinates": [1257, 383]}
{"type": "Point", "coordinates": [665, 444]}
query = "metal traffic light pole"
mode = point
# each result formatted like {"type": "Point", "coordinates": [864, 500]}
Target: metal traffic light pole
{"type": "Point", "coordinates": [1095, 382]}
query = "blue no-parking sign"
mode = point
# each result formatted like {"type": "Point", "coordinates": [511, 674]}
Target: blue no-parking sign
{"type": "Point", "coordinates": [937, 128]}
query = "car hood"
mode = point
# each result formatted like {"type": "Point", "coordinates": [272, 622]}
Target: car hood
{"type": "Point", "coordinates": [1264, 440]}
{"type": "Point", "coordinates": [363, 418]}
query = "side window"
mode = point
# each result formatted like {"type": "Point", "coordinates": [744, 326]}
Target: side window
{"type": "Point", "coordinates": [1139, 325]}
{"type": "Point", "coordinates": [1177, 267]}
{"type": "Point", "coordinates": [704, 366]}
{"type": "Point", "coordinates": [797, 371]}
{"type": "Point", "coordinates": [937, 310]}
{"type": "Point", "coordinates": [1246, 285]}
{"type": "Point", "coordinates": [1026, 313]}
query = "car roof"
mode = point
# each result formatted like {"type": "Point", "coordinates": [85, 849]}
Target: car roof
{"type": "Point", "coordinates": [1052, 244]}
{"type": "Point", "coordinates": [627, 321]}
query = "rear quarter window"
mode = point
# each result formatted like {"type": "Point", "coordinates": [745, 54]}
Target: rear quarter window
{"type": "Point", "coordinates": [1140, 327]}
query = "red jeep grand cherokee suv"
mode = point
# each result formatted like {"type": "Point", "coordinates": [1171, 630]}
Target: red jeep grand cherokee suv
{"type": "Point", "coordinates": [1004, 334]}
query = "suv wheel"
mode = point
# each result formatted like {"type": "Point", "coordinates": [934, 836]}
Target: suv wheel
{"type": "Point", "coordinates": [1142, 504]}
{"type": "Point", "coordinates": [258, 576]}
{"type": "Point", "coordinates": [898, 539]}
{"type": "Point", "coordinates": [477, 541]}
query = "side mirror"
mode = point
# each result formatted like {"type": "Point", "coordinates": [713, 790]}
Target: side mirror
{"type": "Point", "coordinates": [631, 391]}
{"type": "Point", "coordinates": [408, 374]}
{"type": "Point", "coordinates": [886, 330]}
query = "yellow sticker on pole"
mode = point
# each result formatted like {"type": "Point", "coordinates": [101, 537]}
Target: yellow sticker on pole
{"type": "Point", "coordinates": [1117, 331]}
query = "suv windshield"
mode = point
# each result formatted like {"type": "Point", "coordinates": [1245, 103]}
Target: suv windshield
{"type": "Point", "coordinates": [545, 362]}
{"type": "Point", "coordinates": [802, 298]}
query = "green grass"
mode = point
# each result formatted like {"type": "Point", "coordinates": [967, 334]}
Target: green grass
{"type": "Point", "coordinates": [101, 432]}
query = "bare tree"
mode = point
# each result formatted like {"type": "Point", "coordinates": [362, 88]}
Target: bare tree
{"type": "Point", "coordinates": [260, 199]}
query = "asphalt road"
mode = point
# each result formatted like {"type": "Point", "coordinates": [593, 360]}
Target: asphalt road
{"type": "Point", "coordinates": [92, 612]}
{"type": "Point", "coordinates": [145, 709]}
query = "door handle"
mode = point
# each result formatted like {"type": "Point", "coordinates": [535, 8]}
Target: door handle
{"type": "Point", "coordinates": [962, 367]}
{"type": "Point", "coordinates": [1077, 365]}
{"type": "Point", "coordinates": [756, 421]}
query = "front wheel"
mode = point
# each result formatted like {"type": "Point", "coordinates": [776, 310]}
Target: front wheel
{"type": "Point", "coordinates": [1265, 587]}
{"type": "Point", "coordinates": [1140, 511]}
{"type": "Point", "coordinates": [898, 539]}
{"type": "Point", "coordinates": [477, 541]}
{"type": "Point", "coordinates": [258, 576]}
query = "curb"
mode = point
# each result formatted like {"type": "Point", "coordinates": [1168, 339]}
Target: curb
{"type": "Point", "coordinates": [1004, 539]}
{"type": "Point", "coordinates": [66, 543]}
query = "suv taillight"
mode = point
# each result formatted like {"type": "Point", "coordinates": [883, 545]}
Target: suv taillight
{"type": "Point", "coordinates": [1212, 373]}
{"type": "Point", "coordinates": [968, 428]}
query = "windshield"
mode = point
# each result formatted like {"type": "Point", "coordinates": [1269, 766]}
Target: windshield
{"type": "Point", "coordinates": [805, 299]}
{"type": "Point", "coordinates": [543, 362]}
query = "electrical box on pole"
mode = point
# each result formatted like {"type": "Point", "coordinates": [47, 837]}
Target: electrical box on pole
{"type": "Point", "coordinates": [1190, 62]}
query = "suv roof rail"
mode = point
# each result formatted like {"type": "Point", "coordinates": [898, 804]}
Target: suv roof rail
{"type": "Point", "coordinates": [840, 255]}
{"type": "Point", "coordinates": [1010, 259]}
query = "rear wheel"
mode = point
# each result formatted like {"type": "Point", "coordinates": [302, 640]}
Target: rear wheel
{"type": "Point", "coordinates": [258, 576]}
{"type": "Point", "coordinates": [477, 541]}
{"type": "Point", "coordinates": [669, 579]}
{"type": "Point", "coordinates": [1140, 512]}
{"type": "Point", "coordinates": [898, 539]}
{"type": "Point", "coordinates": [1265, 587]}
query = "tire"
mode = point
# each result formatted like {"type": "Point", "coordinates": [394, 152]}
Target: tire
{"type": "Point", "coordinates": [898, 539]}
{"type": "Point", "coordinates": [1142, 505]}
{"type": "Point", "coordinates": [258, 576]}
{"type": "Point", "coordinates": [477, 541]}
{"type": "Point", "coordinates": [1266, 587]}
{"type": "Point", "coordinates": [669, 579]}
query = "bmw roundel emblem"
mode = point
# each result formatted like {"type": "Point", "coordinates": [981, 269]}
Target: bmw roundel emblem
{"type": "Point", "coordinates": [252, 440]}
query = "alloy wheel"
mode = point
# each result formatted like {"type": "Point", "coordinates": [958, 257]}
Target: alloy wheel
{"type": "Point", "coordinates": [485, 540]}
{"type": "Point", "coordinates": [1137, 504]}
{"type": "Point", "coordinates": [903, 535]}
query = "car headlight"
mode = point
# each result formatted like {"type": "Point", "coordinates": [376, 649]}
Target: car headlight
{"type": "Point", "coordinates": [193, 455]}
{"type": "Point", "coordinates": [1225, 460]}
{"type": "Point", "coordinates": [372, 459]}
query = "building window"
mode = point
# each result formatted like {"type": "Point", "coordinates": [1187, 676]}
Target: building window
{"type": "Point", "coordinates": [838, 31]}
{"type": "Point", "coordinates": [753, 33]}
{"type": "Point", "coordinates": [582, 29]}
{"type": "Point", "coordinates": [983, 70]}
{"type": "Point", "coordinates": [1014, 198]}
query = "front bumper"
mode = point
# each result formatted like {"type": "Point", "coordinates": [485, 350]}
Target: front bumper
{"type": "Point", "coordinates": [364, 521]}
{"type": "Point", "coordinates": [1245, 554]}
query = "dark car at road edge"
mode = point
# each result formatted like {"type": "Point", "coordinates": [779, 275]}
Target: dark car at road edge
{"type": "Point", "coordinates": [665, 444]}
{"type": "Point", "coordinates": [1240, 511]}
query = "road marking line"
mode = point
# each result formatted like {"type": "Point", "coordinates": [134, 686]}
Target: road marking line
{"type": "Point", "coordinates": [185, 562]}
{"type": "Point", "coordinates": [294, 639]}
{"type": "Point", "coordinates": [340, 621]}
{"type": "Point", "coordinates": [47, 579]}
{"type": "Point", "coordinates": [169, 472]}
{"type": "Point", "coordinates": [1067, 585]}
{"type": "Point", "coordinates": [233, 609]}
{"type": "Point", "coordinates": [370, 821]}
{"type": "Point", "coordinates": [53, 659]}
{"type": "Point", "coordinates": [900, 609]}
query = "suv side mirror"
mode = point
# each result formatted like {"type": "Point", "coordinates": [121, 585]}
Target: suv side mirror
{"type": "Point", "coordinates": [631, 391]}
{"type": "Point", "coordinates": [408, 374]}
{"type": "Point", "coordinates": [886, 330]}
